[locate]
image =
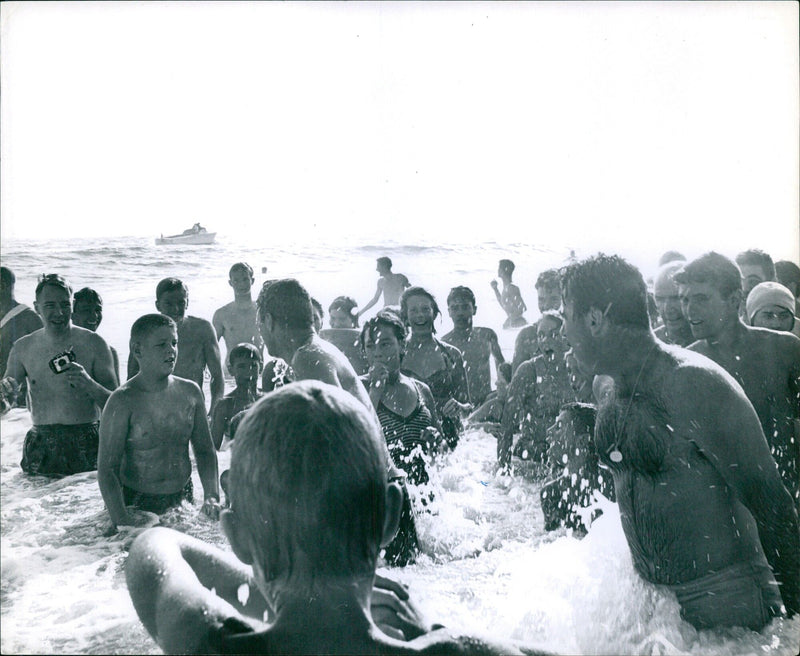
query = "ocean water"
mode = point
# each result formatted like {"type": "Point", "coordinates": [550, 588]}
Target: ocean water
{"type": "Point", "coordinates": [488, 566]}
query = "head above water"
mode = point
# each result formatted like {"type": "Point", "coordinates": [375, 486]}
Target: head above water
{"type": "Point", "coordinates": [308, 487]}
{"type": "Point", "coordinates": [342, 312]}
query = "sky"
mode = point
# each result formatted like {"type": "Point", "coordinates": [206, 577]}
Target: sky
{"type": "Point", "coordinates": [607, 124]}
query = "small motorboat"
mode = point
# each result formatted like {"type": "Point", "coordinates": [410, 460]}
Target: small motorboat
{"type": "Point", "coordinates": [197, 234]}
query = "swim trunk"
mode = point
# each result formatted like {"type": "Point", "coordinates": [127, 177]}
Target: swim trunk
{"type": "Point", "coordinates": [60, 449]}
{"type": "Point", "coordinates": [158, 503]}
{"type": "Point", "coordinates": [741, 595]}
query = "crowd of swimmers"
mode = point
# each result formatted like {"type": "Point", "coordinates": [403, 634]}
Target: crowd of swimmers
{"type": "Point", "coordinates": [679, 400]}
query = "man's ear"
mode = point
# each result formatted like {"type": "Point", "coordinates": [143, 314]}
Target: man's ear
{"type": "Point", "coordinates": [232, 528]}
{"type": "Point", "coordinates": [158, 308]}
{"type": "Point", "coordinates": [135, 348]}
{"type": "Point", "coordinates": [595, 319]}
{"type": "Point", "coordinates": [394, 504]}
{"type": "Point", "coordinates": [36, 307]}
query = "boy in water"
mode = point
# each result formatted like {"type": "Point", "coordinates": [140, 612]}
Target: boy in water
{"type": "Point", "coordinates": [235, 323]}
{"type": "Point", "coordinates": [245, 362]}
{"type": "Point", "coordinates": [510, 299]}
{"type": "Point", "coordinates": [87, 312]}
{"type": "Point", "coordinates": [311, 507]}
{"type": "Point", "coordinates": [391, 285]}
{"type": "Point", "coordinates": [198, 342]}
{"type": "Point", "coordinates": [576, 472]}
{"type": "Point", "coordinates": [548, 297]}
{"type": "Point", "coordinates": [477, 345]}
{"type": "Point", "coordinates": [146, 429]}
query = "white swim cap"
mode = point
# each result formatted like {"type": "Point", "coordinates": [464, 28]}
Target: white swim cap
{"type": "Point", "coordinates": [765, 294]}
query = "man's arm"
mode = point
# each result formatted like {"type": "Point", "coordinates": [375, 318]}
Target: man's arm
{"type": "Point", "coordinates": [494, 345]}
{"type": "Point", "coordinates": [170, 576]}
{"type": "Point", "coordinates": [722, 414]}
{"type": "Point", "coordinates": [205, 455]}
{"type": "Point", "coordinates": [375, 298]}
{"type": "Point", "coordinates": [214, 363]}
{"type": "Point", "coordinates": [219, 417]}
{"type": "Point", "coordinates": [216, 321]}
{"type": "Point", "coordinates": [114, 426]}
{"type": "Point", "coordinates": [309, 363]}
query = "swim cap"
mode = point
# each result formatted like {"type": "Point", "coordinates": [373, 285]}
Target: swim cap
{"type": "Point", "coordinates": [765, 294]}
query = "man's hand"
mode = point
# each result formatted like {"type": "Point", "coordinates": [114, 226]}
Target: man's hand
{"type": "Point", "coordinates": [9, 388]}
{"type": "Point", "coordinates": [79, 378]}
{"type": "Point", "coordinates": [394, 612]}
{"type": "Point", "coordinates": [494, 285]}
{"type": "Point", "coordinates": [454, 409]}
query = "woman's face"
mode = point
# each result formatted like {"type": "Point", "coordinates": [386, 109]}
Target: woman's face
{"type": "Point", "coordinates": [382, 346]}
{"type": "Point", "coordinates": [420, 313]}
{"type": "Point", "coordinates": [339, 318]}
{"type": "Point", "coordinates": [773, 317]}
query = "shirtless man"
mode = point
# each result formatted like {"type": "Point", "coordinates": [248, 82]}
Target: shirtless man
{"type": "Point", "coordinates": [548, 297]}
{"type": "Point", "coordinates": [16, 320]}
{"type": "Point", "coordinates": [87, 312]}
{"type": "Point", "coordinates": [756, 267]}
{"type": "Point", "coordinates": [510, 299]}
{"type": "Point", "coordinates": [675, 329]}
{"type": "Point", "coordinates": [477, 345]}
{"type": "Point", "coordinates": [701, 500]}
{"type": "Point", "coordinates": [764, 362]}
{"type": "Point", "coordinates": [198, 341]}
{"type": "Point", "coordinates": [391, 285]}
{"type": "Point", "coordinates": [146, 429]}
{"type": "Point", "coordinates": [236, 322]}
{"type": "Point", "coordinates": [70, 376]}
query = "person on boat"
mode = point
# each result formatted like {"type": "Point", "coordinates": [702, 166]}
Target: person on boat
{"type": "Point", "coordinates": [434, 362]}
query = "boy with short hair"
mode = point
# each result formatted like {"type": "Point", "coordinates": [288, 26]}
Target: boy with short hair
{"type": "Point", "coordinates": [146, 428]}
{"type": "Point", "coordinates": [198, 341]}
{"type": "Point", "coordinates": [477, 345]}
{"type": "Point", "coordinates": [87, 312]}
{"type": "Point", "coordinates": [245, 363]}
{"type": "Point", "coordinates": [510, 299]}
{"type": "Point", "coordinates": [548, 297]}
{"type": "Point", "coordinates": [235, 323]}
{"type": "Point", "coordinates": [311, 507]}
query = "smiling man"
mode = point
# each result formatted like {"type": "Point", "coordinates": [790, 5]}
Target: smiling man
{"type": "Point", "coordinates": [676, 329]}
{"type": "Point", "coordinates": [701, 501]}
{"type": "Point", "coordinates": [70, 376]}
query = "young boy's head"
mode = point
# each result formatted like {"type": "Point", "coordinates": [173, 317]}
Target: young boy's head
{"type": "Point", "coordinates": [548, 334]}
{"type": "Point", "coordinates": [87, 309]}
{"type": "Point", "coordinates": [319, 314]}
{"type": "Point", "coordinates": [461, 306]}
{"type": "Point", "coordinates": [505, 269]}
{"type": "Point", "coordinates": [245, 363]}
{"type": "Point", "coordinates": [154, 343]}
{"type": "Point", "coordinates": [308, 488]}
{"type": "Point", "coordinates": [241, 278]}
{"type": "Point", "coordinates": [569, 438]}
{"type": "Point", "coordinates": [172, 298]}
{"type": "Point", "coordinates": [548, 290]}
{"type": "Point", "coordinates": [342, 312]}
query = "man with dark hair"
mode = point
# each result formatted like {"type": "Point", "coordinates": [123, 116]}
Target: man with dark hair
{"type": "Point", "coordinates": [70, 376]}
{"type": "Point", "coordinates": [548, 297]}
{"type": "Point", "coordinates": [764, 362]}
{"type": "Point", "coordinates": [390, 285]}
{"type": "Point", "coordinates": [756, 266]}
{"type": "Point", "coordinates": [16, 319]}
{"type": "Point", "coordinates": [701, 500]}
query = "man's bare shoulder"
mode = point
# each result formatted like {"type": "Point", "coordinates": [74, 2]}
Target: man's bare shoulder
{"type": "Point", "coordinates": [30, 341]}
{"type": "Point", "coordinates": [224, 310]}
{"type": "Point", "coordinates": [443, 641]}
{"type": "Point", "coordinates": [695, 379]}
{"type": "Point", "coordinates": [449, 337]}
{"type": "Point", "coordinates": [196, 328]}
{"type": "Point", "coordinates": [484, 333]}
{"type": "Point", "coordinates": [777, 341]}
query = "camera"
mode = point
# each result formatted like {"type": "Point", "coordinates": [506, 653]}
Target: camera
{"type": "Point", "coordinates": [61, 361]}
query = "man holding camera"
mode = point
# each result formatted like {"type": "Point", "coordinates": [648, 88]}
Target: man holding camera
{"type": "Point", "coordinates": [70, 376]}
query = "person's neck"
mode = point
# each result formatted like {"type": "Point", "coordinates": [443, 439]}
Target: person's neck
{"type": "Point", "coordinates": [243, 299]}
{"type": "Point", "coordinates": [7, 303]}
{"type": "Point", "coordinates": [330, 606]}
{"type": "Point", "coordinates": [247, 391]}
{"type": "Point", "coordinates": [462, 331]}
{"type": "Point", "coordinates": [151, 382]}
{"type": "Point", "coordinates": [293, 340]}
{"type": "Point", "coordinates": [633, 352]}
{"type": "Point", "coordinates": [59, 336]}
{"type": "Point", "coordinates": [729, 334]}
{"type": "Point", "coordinates": [422, 337]}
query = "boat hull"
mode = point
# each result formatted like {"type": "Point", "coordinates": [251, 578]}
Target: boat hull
{"type": "Point", "coordinates": [193, 239]}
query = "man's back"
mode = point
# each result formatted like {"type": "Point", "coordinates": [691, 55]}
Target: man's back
{"type": "Point", "coordinates": [19, 321]}
{"type": "Point", "coordinates": [394, 284]}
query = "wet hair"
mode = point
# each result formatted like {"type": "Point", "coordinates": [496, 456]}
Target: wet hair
{"type": "Point", "coordinates": [386, 319]}
{"type": "Point", "coordinates": [417, 291]}
{"type": "Point", "coordinates": [54, 279]}
{"type": "Point", "coordinates": [245, 351]}
{"type": "Point", "coordinates": [549, 278]}
{"type": "Point", "coordinates": [241, 266]}
{"type": "Point", "coordinates": [170, 285]}
{"type": "Point", "coordinates": [385, 262]}
{"type": "Point", "coordinates": [308, 481]}
{"type": "Point", "coordinates": [345, 304]}
{"type": "Point", "coordinates": [146, 324]}
{"type": "Point", "coordinates": [462, 292]}
{"type": "Point", "coordinates": [787, 273]}
{"type": "Point", "coordinates": [287, 302]}
{"type": "Point", "coordinates": [7, 277]}
{"type": "Point", "coordinates": [757, 257]}
{"type": "Point", "coordinates": [714, 269]}
{"type": "Point", "coordinates": [582, 415]}
{"type": "Point", "coordinates": [671, 256]}
{"type": "Point", "coordinates": [507, 265]}
{"type": "Point", "coordinates": [610, 284]}
{"type": "Point", "coordinates": [86, 295]}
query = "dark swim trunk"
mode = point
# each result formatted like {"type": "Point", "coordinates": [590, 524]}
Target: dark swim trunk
{"type": "Point", "coordinates": [741, 595]}
{"type": "Point", "coordinates": [158, 503]}
{"type": "Point", "coordinates": [60, 449]}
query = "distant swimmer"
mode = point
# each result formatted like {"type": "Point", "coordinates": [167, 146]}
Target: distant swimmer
{"type": "Point", "coordinates": [198, 348]}
{"type": "Point", "coordinates": [391, 285]}
{"type": "Point", "coordinates": [235, 323]}
{"type": "Point", "coordinates": [766, 363]}
{"type": "Point", "coordinates": [510, 299]}
{"type": "Point", "coordinates": [70, 376]}
{"type": "Point", "coordinates": [701, 501]}
{"type": "Point", "coordinates": [311, 508]}
{"type": "Point", "coordinates": [146, 429]}
{"type": "Point", "coordinates": [87, 312]}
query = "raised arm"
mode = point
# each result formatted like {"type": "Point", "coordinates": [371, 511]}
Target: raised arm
{"type": "Point", "coordinates": [114, 426]}
{"type": "Point", "coordinates": [205, 455]}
